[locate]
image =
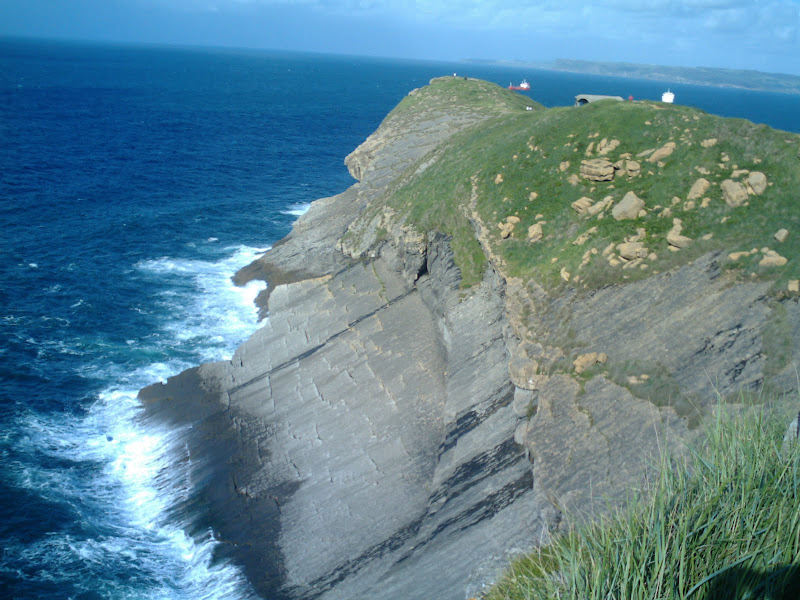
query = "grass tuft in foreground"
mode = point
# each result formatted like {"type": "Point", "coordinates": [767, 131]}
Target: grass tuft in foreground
{"type": "Point", "coordinates": [723, 525]}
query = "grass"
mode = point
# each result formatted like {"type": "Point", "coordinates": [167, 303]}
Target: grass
{"type": "Point", "coordinates": [723, 524]}
{"type": "Point", "coordinates": [528, 148]}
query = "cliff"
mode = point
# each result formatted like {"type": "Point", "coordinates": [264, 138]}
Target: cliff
{"type": "Point", "coordinates": [489, 335]}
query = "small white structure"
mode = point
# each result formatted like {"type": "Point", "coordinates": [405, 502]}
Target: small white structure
{"type": "Point", "coordinates": [668, 97]}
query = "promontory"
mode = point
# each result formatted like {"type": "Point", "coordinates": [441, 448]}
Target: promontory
{"type": "Point", "coordinates": [489, 337]}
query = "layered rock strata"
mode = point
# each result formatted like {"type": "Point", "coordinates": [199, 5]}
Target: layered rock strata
{"type": "Point", "coordinates": [387, 435]}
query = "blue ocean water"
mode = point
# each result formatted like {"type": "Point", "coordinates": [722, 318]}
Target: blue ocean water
{"type": "Point", "coordinates": [134, 181]}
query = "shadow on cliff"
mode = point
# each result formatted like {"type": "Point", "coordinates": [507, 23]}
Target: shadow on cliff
{"type": "Point", "coordinates": [779, 583]}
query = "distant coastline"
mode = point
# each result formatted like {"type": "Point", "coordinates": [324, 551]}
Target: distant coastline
{"type": "Point", "coordinates": [735, 78]}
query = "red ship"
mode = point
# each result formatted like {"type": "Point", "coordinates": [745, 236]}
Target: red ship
{"type": "Point", "coordinates": [524, 86]}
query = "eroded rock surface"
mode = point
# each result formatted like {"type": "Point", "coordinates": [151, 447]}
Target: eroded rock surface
{"type": "Point", "coordinates": [388, 435]}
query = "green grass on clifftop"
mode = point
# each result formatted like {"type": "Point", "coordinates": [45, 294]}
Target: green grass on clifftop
{"type": "Point", "coordinates": [455, 94]}
{"type": "Point", "coordinates": [526, 165]}
{"type": "Point", "coordinates": [725, 525]}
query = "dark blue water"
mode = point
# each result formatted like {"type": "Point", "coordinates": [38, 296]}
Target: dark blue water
{"type": "Point", "coordinates": [133, 183]}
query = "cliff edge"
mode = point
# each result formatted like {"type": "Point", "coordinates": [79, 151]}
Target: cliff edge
{"type": "Point", "coordinates": [489, 336]}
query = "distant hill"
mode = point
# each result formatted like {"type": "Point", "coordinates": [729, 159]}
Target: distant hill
{"type": "Point", "coordinates": [746, 79]}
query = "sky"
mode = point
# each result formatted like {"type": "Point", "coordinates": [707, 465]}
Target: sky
{"type": "Point", "coordinates": [741, 34]}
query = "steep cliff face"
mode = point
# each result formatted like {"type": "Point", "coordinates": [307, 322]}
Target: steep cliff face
{"type": "Point", "coordinates": [391, 433]}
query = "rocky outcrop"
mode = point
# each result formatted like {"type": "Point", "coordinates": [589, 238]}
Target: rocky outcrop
{"type": "Point", "coordinates": [387, 434]}
{"type": "Point", "coordinates": [628, 207]}
{"type": "Point", "coordinates": [734, 193]}
{"type": "Point", "coordinates": [597, 169]}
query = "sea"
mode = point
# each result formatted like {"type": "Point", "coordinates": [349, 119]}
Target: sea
{"type": "Point", "coordinates": [134, 181]}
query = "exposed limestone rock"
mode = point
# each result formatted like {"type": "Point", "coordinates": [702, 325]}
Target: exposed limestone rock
{"type": "Point", "coordinates": [690, 205]}
{"type": "Point", "coordinates": [598, 207]}
{"type": "Point", "coordinates": [597, 169]}
{"type": "Point", "coordinates": [633, 168]}
{"type": "Point", "coordinates": [794, 286]}
{"type": "Point", "coordinates": [535, 232]}
{"type": "Point", "coordinates": [757, 182]}
{"type": "Point", "coordinates": [737, 255]}
{"type": "Point", "coordinates": [582, 238]}
{"type": "Point", "coordinates": [632, 250]}
{"type": "Point", "coordinates": [589, 149]}
{"type": "Point", "coordinates": [563, 166]}
{"type": "Point", "coordinates": [674, 237]}
{"type": "Point", "coordinates": [733, 192]}
{"type": "Point", "coordinates": [587, 256]}
{"type": "Point", "coordinates": [628, 207]}
{"type": "Point", "coordinates": [498, 178]}
{"type": "Point", "coordinates": [533, 196]}
{"type": "Point", "coordinates": [641, 233]}
{"type": "Point", "coordinates": [507, 227]}
{"type": "Point", "coordinates": [781, 235]}
{"type": "Point", "coordinates": [564, 274]}
{"type": "Point", "coordinates": [709, 143]}
{"type": "Point", "coordinates": [702, 171]}
{"type": "Point", "coordinates": [736, 173]}
{"type": "Point", "coordinates": [699, 188]}
{"type": "Point", "coordinates": [772, 259]}
{"type": "Point", "coordinates": [666, 213]}
{"type": "Point", "coordinates": [605, 146]}
{"type": "Point", "coordinates": [584, 361]}
{"type": "Point", "coordinates": [574, 179]}
{"type": "Point", "coordinates": [706, 201]}
{"type": "Point", "coordinates": [369, 431]}
{"type": "Point", "coordinates": [582, 204]}
{"type": "Point", "coordinates": [662, 152]}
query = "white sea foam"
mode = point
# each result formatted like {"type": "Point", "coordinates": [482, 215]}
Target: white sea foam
{"type": "Point", "coordinates": [126, 479]}
{"type": "Point", "coordinates": [297, 209]}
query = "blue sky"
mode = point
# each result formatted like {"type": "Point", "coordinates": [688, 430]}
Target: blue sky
{"type": "Point", "coordinates": [746, 34]}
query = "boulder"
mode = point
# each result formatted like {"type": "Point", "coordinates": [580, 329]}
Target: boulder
{"type": "Point", "coordinates": [582, 204]}
{"type": "Point", "coordinates": [535, 233]}
{"type": "Point", "coordinates": [772, 259]}
{"type": "Point", "coordinates": [632, 250]}
{"type": "Point", "coordinates": [506, 228]}
{"type": "Point", "coordinates": [709, 143]}
{"type": "Point", "coordinates": [633, 168]}
{"type": "Point", "coordinates": [699, 188]}
{"type": "Point", "coordinates": [584, 361]}
{"type": "Point", "coordinates": [582, 238]}
{"type": "Point", "coordinates": [563, 166]}
{"type": "Point", "coordinates": [600, 206]}
{"type": "Point", "coordinates": [597, 169]}
{"type": "Point", "coordinates": [674, 237]}
{"type": "Point", "coordinates": [628, 207]}
{"type": "Point", "coordinates": [733, 192]}
{"type": "Point", "coordinates": [662, 152]}
{"type": "Point", "coordinates": [605, 146]}
{"type": "Point", "coordinates": [781, 235]}
{"type": "Point", "coordinates": [757, 182]}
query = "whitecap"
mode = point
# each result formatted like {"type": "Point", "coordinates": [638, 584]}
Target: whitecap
{"type": "Point", "coordinates": [297, 210]}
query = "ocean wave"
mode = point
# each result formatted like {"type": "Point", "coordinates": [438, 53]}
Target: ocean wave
{"type": "Point", "coordinates": [297, 210]}
{"type": "Point", "coordinates": [119, 530]}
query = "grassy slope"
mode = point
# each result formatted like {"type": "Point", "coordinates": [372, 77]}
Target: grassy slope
{"type": "Point", "coordinates": [527, 147]}
{"type": "Point", "coordinates": [723, 526]}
